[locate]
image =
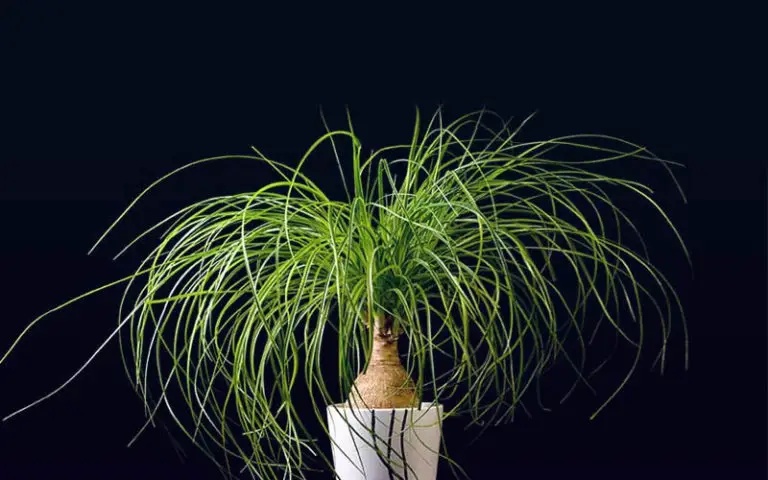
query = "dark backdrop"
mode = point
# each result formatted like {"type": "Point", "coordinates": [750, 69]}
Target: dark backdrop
{"type": "Point", "coordinates": [98, 101]}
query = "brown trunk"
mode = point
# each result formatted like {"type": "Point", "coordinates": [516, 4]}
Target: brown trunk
{"type": "Point", "coordinates": [385, 383]}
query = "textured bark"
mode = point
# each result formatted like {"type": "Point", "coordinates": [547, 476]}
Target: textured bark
{"type": "Point", "coordinates": [385, 383]}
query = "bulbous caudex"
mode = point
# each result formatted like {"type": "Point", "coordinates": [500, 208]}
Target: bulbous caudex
{"type": "Point", "coordinates": [384, 383]}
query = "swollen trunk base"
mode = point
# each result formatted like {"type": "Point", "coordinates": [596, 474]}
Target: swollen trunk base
{"type": "Point", "coordinates": [385, 383]}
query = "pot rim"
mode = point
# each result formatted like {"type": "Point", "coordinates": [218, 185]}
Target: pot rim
{"type": "Point", "coordinates": [422, 407]}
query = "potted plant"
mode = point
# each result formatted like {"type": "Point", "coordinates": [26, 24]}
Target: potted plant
{"type": "Point", "coordinates": [439, 293]}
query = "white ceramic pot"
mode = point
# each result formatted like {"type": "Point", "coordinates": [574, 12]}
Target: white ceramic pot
{"type": "Point", "coordinates": [385, 444]}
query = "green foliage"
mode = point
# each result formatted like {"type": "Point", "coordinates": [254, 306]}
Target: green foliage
{"type": "Point", "coordinates": [231, 315]}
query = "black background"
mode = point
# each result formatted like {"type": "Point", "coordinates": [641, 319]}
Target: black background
{"type": "Point", "coordinates": [99, 101]}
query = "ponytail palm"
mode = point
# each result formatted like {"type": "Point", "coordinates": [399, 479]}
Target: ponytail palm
{"type": "Point", "coordinates": [458, 243]}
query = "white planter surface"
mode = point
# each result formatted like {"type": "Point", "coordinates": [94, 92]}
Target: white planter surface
{"type": "Point", "coordinates": [405, 445]}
